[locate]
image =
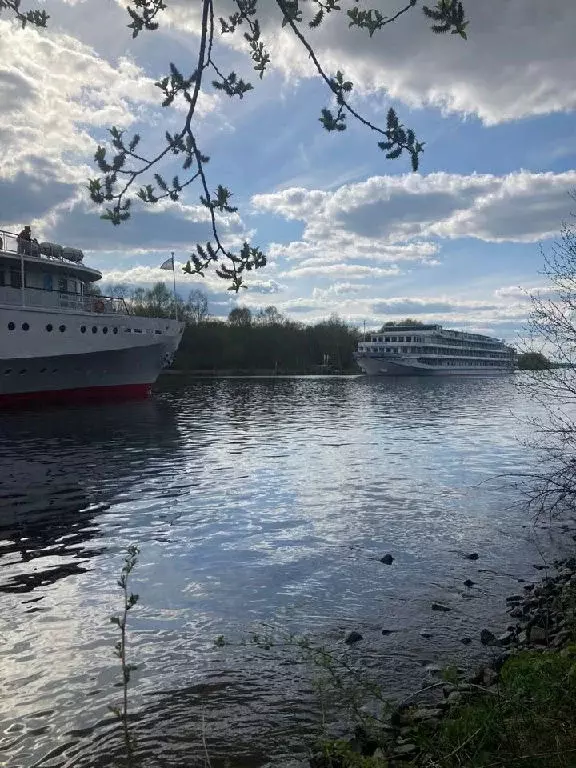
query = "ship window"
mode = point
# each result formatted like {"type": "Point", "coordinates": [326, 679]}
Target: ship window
{"type": "Point", "coordinates": [11, 326]}
{"type": "Point", "coordinates": [22, 371]}
{"type": "Point", "coordinates": [25, 327]}
{"type": "Point", "coordinates": [94, 329]}
{"type": "Point", "coordinates": [62, 285]}
{"type": "Point", "coordinates": [83, 328]}
{"type": "Point", "coordinates": [115, 330]}
{"type": "Point", "coordinates": [62, 328]}
{"type": "Point", "coordinates": [137, 330]}
{"type": "Point", "coordinates": [387, 338]}
{"type": "Point", "coordinates": [8, 371]}
{"type": "Point", "coordinates": [158, 332]}
{"type": "Point", "coordinates": [105, 329]}
{"type": "Point", "coordinates": [2, 281]}
{"type": "Point", "coordinates": [408, 338]}
{"type": "Point", "coordinates": [15, 277]}
{"type": "Point", "coordinates": [49, 327]}
{"type": "Point", "coordinates": [47, 282]}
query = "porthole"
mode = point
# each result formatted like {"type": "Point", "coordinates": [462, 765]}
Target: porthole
{"type": "Point", "coordinates": [115, 330]}
{"type": "Point", "coordinates": [83, 328]}
{"type": "Point", "coordinates": [49, 327]}
{"type": "Point", "coordinates": [8, 371]}
{"type": "Point", "coordinates": [25, 327]}
{"type": "Point", "coordinates": [23, 371]}
{"type": "Point", "coordinates": [105, 329]}
{"type": "Point", "coordinates": [62, 328]}
{"type": "Point", "coordinates": [11, 326]}
{"type": "Point", "coordinates": [43, 370]}
{"type": "Point", "coordinates": [54, 370]}
{"type": "Point", "coordinates": [94, 329]}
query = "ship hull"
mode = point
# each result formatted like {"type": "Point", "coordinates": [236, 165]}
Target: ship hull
{"type": "Point", "coordinates": [373, 366]}
{"type": "Point", "coordinates": [48, 356]}
{"type": "Point", "coordinates": [127, 372]}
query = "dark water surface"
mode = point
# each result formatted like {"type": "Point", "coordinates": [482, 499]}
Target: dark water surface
{"type": "Point", "coordinates": [252, 501]}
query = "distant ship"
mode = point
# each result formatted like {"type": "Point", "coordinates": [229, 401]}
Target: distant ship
{"type": "Point", "coordinates": [59, 343]}
{"type": "Point", "coordinates": [425, 350]}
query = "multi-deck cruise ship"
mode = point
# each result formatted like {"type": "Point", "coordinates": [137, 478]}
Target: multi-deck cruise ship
{"type": "Point", "coordinates": [58, 342]}
{"type": "Point", "coordinates": [416, 350]}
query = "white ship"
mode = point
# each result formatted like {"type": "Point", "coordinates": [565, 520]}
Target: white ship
{"type": "Point", "coordinates": [424, 350]}
{"type": "Point", "coordinates": [59, 343]}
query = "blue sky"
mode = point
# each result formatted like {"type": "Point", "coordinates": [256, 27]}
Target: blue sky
{"type": "Point", "coordinates": [346, 230]}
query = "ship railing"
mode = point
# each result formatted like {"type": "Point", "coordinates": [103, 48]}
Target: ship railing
{"type": "Point", "coordinates": [10, 243]}
{"type": "Point", "coordinates": [41, 298]}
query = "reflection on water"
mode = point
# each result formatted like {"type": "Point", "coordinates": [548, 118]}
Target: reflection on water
{"type": "Point", "coordinates": [266, 500]}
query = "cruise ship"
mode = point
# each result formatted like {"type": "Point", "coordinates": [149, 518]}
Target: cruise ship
{"type": "Point", "coordinates": [58, 342]}
{"type": "Point", "coordinates": [424, 350]}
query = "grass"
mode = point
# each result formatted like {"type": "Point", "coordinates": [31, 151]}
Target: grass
{"type": "Point", "coordinates": [530, 721]}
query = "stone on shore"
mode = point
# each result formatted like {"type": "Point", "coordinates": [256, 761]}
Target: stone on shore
{"type": "Point", "coordinates": [353, 637]}
{"type": "Point", "coordinates": [469, 583]}
{"type": "Point", "coordinates": [472, 556]}
{"type": "Point", "coordinates": [387, 559]}
{"type": "Point", "coordinates": [487, 637]}
{"type": "Point", "coordinates": [440, 607]}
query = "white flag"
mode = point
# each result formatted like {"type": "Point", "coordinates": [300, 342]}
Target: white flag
{"type": "Point", "coordinates": [168, 264]}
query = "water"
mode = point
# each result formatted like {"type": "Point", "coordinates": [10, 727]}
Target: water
{"type": "Point", "coordinates": [254, 502]}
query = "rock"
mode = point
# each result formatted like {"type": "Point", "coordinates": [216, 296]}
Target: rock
{"type": "Point", "coordinates": [405, 750]}
{"type": "Point", "coordinates": [472, 556]}
{"type": "Point", "coordinates": [506, 638]}
{"type": "Point", "coordinates": [426, 635]}
{"type": "Point", "coordinates": [517, 613]}
{"type": "Point", "coordinates": [386, 632]}
{"type": "Point", "coordinates": [523, 638]}
{"type": "Point", "coordinates": [538, 635]}
{"type": "Point", "coordinates": [440, 607]}
{"type": "Point", "coordinates": [387, 559]}
{"type": "Point", "coordinates": [487, 637]}
{"type": "Point", "coordinates": [529, 587]}
{"type": "Point", "coordinates": [500, 660]}
{"type": "Point", "coordinates": [379, 755]}
{"type": "Point", "coordinates": [466, 640]}
{"type": "Point", "coordinates": [469, 583]}
{"type": "Point", "coordinates": [425, 714]}
{"type": "Point", "coordinates": [489, 677]}
{"type": "Point", "coordinates": [353, 637]}
{"type": "Point", "coordinates": [561, 639]}
{"type": "Point", "coordinates": [540, 567]}
{"type": "Point", "coordinates": [454, 698]}
{"type": "Point", "coordinates": [515, 599]}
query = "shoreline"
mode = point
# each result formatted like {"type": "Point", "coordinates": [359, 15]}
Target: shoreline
{"type": "Point", "coordinates": [541, 634]}
{"type": "Point", "coordinates": [255, 374]}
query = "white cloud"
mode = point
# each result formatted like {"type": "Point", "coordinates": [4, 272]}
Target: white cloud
{"type": "Point", "coordinates": [340, 270]}
{"type": "Point", "coordinates": [518, 61]}
{"type": "Point", "coordinates": [373, 219]}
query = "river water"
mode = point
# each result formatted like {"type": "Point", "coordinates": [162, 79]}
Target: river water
{"type": "Point", "coordinates": [255, 502]}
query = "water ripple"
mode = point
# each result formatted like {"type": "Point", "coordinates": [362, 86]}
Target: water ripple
{"type": "Point", "coordinates": [267, 500]}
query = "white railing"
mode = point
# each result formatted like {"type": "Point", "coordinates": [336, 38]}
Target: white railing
{"type": "Point", "coordinates": [65, 302]}
{"type": "Point", "coordinates": [12, 244]}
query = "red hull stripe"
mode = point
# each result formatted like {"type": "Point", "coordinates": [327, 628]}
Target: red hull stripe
{"type": "Point", "coordinates": [69, 396]}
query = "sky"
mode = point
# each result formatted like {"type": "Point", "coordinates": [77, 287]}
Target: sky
{"type": "Point", "coordinates": [346, 230]}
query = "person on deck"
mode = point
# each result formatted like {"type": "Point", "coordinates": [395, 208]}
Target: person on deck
{"type": "Point", "coordinates": [24, 240]}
